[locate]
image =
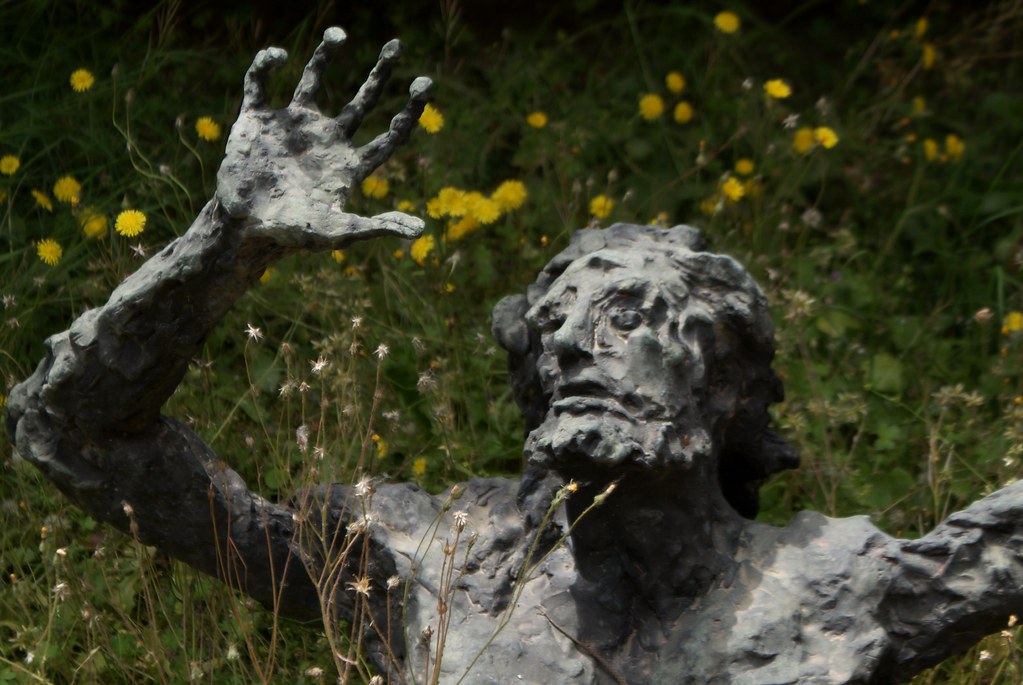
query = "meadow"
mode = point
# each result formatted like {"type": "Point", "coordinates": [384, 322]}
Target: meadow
{"type": "Point", "coordinates": [862, 159]}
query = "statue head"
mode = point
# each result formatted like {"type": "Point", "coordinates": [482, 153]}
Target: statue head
{"type": "Point", "coordinates": [637, 350]}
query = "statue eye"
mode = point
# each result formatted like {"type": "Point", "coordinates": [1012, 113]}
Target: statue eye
{"type": "Point", "coordinates": [626, 319]}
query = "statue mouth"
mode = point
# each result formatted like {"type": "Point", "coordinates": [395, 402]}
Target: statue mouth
{"type": "Point", "coordinates": [585, 404]}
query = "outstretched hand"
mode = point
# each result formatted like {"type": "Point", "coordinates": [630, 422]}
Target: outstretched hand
{"type": "Point", "coordinates": [288, 172]}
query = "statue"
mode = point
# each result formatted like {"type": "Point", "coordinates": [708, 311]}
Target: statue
{"type": "Point", "coordinates": [626, 553]}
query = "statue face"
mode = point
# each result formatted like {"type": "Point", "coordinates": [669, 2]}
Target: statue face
{"type": "Point", "coordinates": [623, 360]}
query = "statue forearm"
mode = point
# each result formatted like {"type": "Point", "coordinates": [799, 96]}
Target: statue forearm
{"type": "Point", "coordinates": [958, 583]}
{"type": "Point", "coordinates": [117, 364]}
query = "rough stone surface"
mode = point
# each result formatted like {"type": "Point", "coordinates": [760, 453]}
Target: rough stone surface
{"type": "Point", "coordinates": [626, 552]}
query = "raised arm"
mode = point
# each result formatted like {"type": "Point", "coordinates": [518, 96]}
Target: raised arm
{"type": "Point", "coordinates": [957, 584]}
{"type": "Point", "coordinates": [89, 415]}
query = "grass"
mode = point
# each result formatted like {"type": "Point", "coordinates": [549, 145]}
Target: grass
{"type": "Point", "coordinates": [892, 259]}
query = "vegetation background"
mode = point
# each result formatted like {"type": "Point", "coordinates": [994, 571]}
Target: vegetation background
{"type": "Point", "coordinates": [862, 158]}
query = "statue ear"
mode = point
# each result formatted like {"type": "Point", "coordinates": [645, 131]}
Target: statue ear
{"type": "Point", "coordinates": [509, 324]}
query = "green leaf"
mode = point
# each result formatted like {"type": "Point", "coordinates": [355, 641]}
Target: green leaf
{"type": "Point", "coordinates": [884, 374]}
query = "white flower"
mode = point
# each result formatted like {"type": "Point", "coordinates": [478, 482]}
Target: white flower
{"type": "Point", "coordinates": [319, 365]}
{"type": "Point", "coordinates": [356, 322]}
{"type": "Point", "coordinates": [139, 250]}
{"type": "Point", "coordinates": [61, 591]}
{"type": "Point", "coordinates": [302, 437]}
{"type": "Point", "coordinates": [253, 332]}
{"type": "Point", "coordinates": [232, 653]}
{"type": "Point", "coordinates": [393, 582]}
{"type": "Point", "coordinates": [791, 121]}
{"type": "Point", "coordinates": [364, 488]}
{"type": "Point", "coordinates": [382, 351]}
{"type": "Point", "coordinates": [314, 672]}
{"type": "Point", "coordinates": [461, 519]}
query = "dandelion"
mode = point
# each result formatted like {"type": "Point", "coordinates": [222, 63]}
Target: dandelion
{"type": "Point", "coordinates": [94, 224]}
{"type": "Point", "coordinates": [825, 136]}
{"type": "Point", "coordinates": [9, 165]}
{"type": "Point", "coordinates": [601, 206]}
{"type": "Point", "coordinates": [803, 141]}
{"type": "Point", "coordinates": [406, 206]}
{"type": "Point", "coordinates": [267, 274]}
{"type": "Point", "coordinates": [67, 189]}
{"type": "Point", "coordinates": [421, 248]}
{"type": "Point", "coordinates": [727, 22]}
{"type": "Point", "coordinates": [482, 209]}
{"type": "Point", "coordinates": [1013, 322]}
{"type": "Point", "coordinates": [42, 200]}
{"type": "Point", "coordinates": [375, 187]}
{"type": "Point", "coordinates": [744, 166]}
{"type": "Point", "coordinates": [921, 28]}
{"type": "Point", "coordinates": [675, 82]}
{"type": "Point", "coordinates": [510, 195]}
{"type": "Point", "coordinates": [954, 147]}
{"type": "Point", "coordinates": [929, 56]}
{"type": "Point", "coordinates": [49, 251]}
{"type": "Point", "coordinates": [651, 106]}
{"type": "Point", "coordinates": [733, 189]}
{"type": "Point", "coordinates": [253, 333]}
{"type": "Point", "coordinates": [537, 119]}
{"type": "Point", "coordinates": [449, 202]}
{"type": "Point", "coordinates": [777, 88]}
{"type": "Point", "coordinates": [683, 112]}
{"type": "Point", "coordinates": [930, 149]}
{"type": "Point", "coordinates": [461, 228]}
{"type": "Point", "coordinates": [431, 120]}
{"type": "Point", "coordinates": [339, 256]}
{"type": "Point", "coordinates": [81, 80]}
{"type": "Point", "coordinates": [129, 223]}
{"type": "Point", "coordinates": [419, 466]}
{"type": "Point", "coordinates": [207, 129]}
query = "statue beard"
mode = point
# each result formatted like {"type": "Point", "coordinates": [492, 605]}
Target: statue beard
{"type": "Point", "coordinates": [581, 437]}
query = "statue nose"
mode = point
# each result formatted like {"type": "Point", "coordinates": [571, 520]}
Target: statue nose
{"type": "Point", "coordinates": [573, 339]}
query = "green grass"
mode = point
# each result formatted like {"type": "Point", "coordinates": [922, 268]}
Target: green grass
{"type": "Point", "coordinates": [894, 276]}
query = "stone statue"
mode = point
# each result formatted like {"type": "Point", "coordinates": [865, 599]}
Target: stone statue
{"type": "Point", "coordinates": [626, 553]}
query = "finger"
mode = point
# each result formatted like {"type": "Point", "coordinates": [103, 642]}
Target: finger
{"type": "Point", "coordinates": [305, 92]}
{"type": "Point", "coordinates": [333, 230]}
{"type": "Point", "coordinates": [351, 115]}
{"type": "Point", "coordinates": [255, 88]}
{"type": "Point", "coordinates": [376, 152]}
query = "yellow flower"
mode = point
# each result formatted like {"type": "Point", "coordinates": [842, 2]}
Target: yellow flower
{"type": "Point", "coordinates": [130, 223]}
{"type": "Point", "coordinates": [82, 80]}
{"type": "Point", "coordinates": [421, 248]}
{"type": "Point", "coordinates": [651, 106]}
{"type": "Point", "coordinates": [431, 119]}
{"type": "Point", "coordinates": [930, 149]}
{"type": "Point", "coordinates": [483, 209]}
{"type": "Point", "coordinates": [744, 166]}
{"type": "Point", "coordinates": [510, 195]}
{"type": "Point", "coordinates": [954, 147]}
{"type": "Point", "coordinates": [727, 22]}
{"type": "Point", "coordinates": [803, 140]}
{"type": "Point", "coordinates": [683, 113]}
{"type": "Point", "coordinates": [49, 251]}
{"type": "Point", "coordinates": [537, 119]}
{"type": "Point", "coordinates": [406, 206]}
{"type": "Point", "coordinates": [733, 189]}
{"type": "Point", "coordinates": [1013, 322]}
{"type": "Point", "coordinates": [449, 287]}
{"type": "Point", "coordinates": [675, 82]}
{"type": "Point", "coordinates": [9, 165]}
{"type": "Point", "coordinates": [419, 466]}
{"type": "Point", "coordinates": [929, 55]}
{"type": "Point", "coordinates": [207, 129]}
{"type": "Point", "coordinates": [42, 200]}
{"type": "Point", "coordinates": [94, 224]}
{"type": "Point", "coordinates": [67, 189]}
{"type": "Point", "coordinates": [461, 228]}
{"type": "Point", "coordinates": [825, 136]}
{"type": "Point", "coordinates": [375, 187]}
{"type": "Point", "coordinates": [268, 273]}
{"type": "Point", "coordinates": [921, 27]}
{"type": "Point", "coordinates": [777, 88]}
{"type": "Point", "coordinates": [919, 105]}
{"type": "Point", "coordinates": [381, 446]}
{"type": "Point", "coordinates": [753, 188]}
{"type": "Point", "coordinates": [450, 202]}
{"type": "Point", "coordinates": [601, 206]}
{"type": "Point", "coordinates": [339, 256]}
{"type": "Point", "coordinates": [3, 401]}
